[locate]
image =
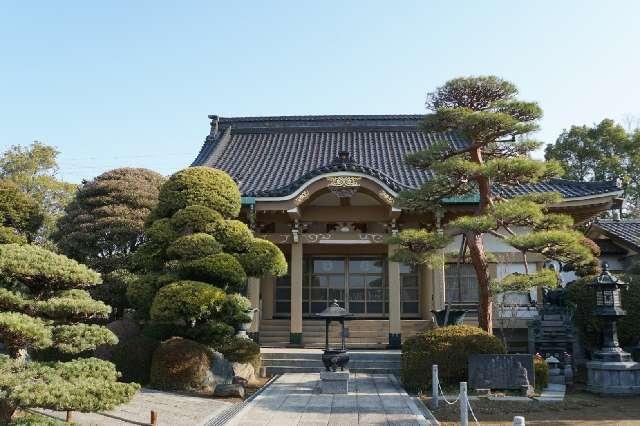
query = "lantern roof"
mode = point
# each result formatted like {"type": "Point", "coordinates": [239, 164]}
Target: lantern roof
{"type": "Point", "coordinates": [334, 311]}
{"type": "Point", "coordinates": [606, 279]}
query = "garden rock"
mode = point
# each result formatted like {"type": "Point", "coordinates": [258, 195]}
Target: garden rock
{"type": "Point", "coordinates": [124, 329]}
{"type": "Point", "coordinates": [244, 371]}
{"type": "Point", "coordinates": [229, 390]}
{"type": "Point", "coordinates": [221, 369]}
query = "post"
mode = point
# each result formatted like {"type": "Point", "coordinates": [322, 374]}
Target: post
{"type": "Point", "coordinates": [518, 421]}
{"type": "Point", "coordinates": [395, 323]}
{"type": "Point", "coordinates": [435, 381]}
{"type": "Point", "coordinates": [253, 294]}
{"type": "Point", "coordinates": [439, 290]}
{"type": "Point", "coordinates": [69, 418]}
{"type": "Point", "coordinates": [295, 332]}
{"type": "Point", "coordinates": [464, 405]}
{"type": "Point", "coordinates": [154, 418]}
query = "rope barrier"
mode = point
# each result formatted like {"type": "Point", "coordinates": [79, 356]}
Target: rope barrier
{"type": "Point", "coordinates": [475, 419]}
{"type": "Point", "coordinates": [445, 398]}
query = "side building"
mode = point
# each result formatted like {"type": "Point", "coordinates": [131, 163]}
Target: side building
{"type": "Point", "coordinates": [323, 189]}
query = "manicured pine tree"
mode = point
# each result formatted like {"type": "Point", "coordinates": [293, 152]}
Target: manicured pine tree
{"type": "Point", "coordinates": [198, 257]}
{"type": "Point", "coordinates": [44, 307]}
{"type": "Point", "coordinates": [486, 112]}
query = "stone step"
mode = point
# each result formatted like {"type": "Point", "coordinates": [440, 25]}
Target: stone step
{"type": "Point", "coordinates": [356, 356]}
{"type": "Point", "coordinates": [281, 369]}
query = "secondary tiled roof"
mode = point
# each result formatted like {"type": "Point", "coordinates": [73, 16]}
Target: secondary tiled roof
{"type": "Point", "coordinates": [273, 156]}
{"type": "Point", "coordinates": [626, 231]}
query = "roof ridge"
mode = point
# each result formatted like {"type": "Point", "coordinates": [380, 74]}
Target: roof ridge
{"type": "Point", "coordinates": [326, 117]}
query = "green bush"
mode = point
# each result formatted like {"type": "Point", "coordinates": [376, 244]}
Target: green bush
{"type": "Point", "coordinates": [195, 219]}
{"type": "Point", "coordinates": [211, 333]}
{"type": "Point", "coordinates": [202, 186]}
{"type": "Point", "coordinates": [263, 258]}
{"type": "Point", "coordinates": [192, 247]}
{"type": "Point", "coordinates": [239, 349]}
{"type": "Point", "coordinates": [583, 301]}
{"type": "Point", "coordinates": [11, 236]}
{"type": "Point", "coordinates": [188, 301]}
{"type": "Point", "coordinates": [449, 348]}
{"type": "Point", "coordinates": [181, 364]}
{"type": "Point", "coordinates": [39, 269]}
{"type": "Point", "coordinates": [142, 291]}
{"type": "Point", "coordinates": [235, 309]}
{"type": "Point", "coordinates": [77, 338]}
{"type": "Point", "coordinates": [18, 331]}
{"type": "Point", "coordinates": [132, 358]}
{"type": "Point", "coordinates": [113, 290]}
{"type": "Point", "coordinates": [234, 235]}
{"type": "Point", "coordinates": [541, 371]}
{"type": "Point", "coordinates": [36, 420]}
{"type": "Point", "coordinates": [222, 270]}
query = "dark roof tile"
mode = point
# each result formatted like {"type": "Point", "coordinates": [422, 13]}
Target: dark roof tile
{"type": "Point", "coordinates": [627, 230]}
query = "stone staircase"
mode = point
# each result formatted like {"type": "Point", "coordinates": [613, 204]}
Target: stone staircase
{"type": "Point", "coordinates": [295, 360]}
{"type": "Point", "coordinates": [552, 333]}
{"type": "Point", "coordinates": [363, 334]}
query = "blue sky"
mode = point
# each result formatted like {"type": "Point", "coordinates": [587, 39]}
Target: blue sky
{"type": "Point", "coordinates": [118, 83]}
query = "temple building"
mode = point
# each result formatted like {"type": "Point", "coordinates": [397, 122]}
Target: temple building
{"type": "Point", "coordinates": [323, 189]}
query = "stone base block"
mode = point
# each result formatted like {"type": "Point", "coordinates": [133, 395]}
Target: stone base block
{"type": "Point", "coordinates": [613, 378]}
{"type": "Point", "coordinates": [334, 381]}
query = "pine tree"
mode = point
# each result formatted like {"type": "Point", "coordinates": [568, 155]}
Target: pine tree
{"type": "Point", "coordinates": [46, 312]}
{"type": "Point", "coordinates": [486, 112]}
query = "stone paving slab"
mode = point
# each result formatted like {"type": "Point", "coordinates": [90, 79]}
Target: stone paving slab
{"type": "Point", "coordinates": [173, 410]}
{"type": "Point", "coordinates": [295, 399]}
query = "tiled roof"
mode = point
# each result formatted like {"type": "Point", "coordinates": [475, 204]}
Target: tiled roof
{"type": "Point", "coordinates": [626, 231]}
{"type": "Point", "coordinates": [273, 156]}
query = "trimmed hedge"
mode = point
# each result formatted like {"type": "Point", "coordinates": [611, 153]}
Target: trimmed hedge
{"type": "Point", "coordinates": [195, 219]}
{"type": "Point", "coordinates": [188, 301]}
{"type": "Point", "coordinates": [263, 258]}
{"type": "Point", "coordinates": [239, 349]}
{"type": "Point", "coordinates": [449, 348]}
{"type": "Point", "coordinates": [194, 246]}
{"type": "Point", "coordinates": [202, 186]}
{"type": "Point", "coordinates": [234, 235]}
{"type": "Point", "coordinates": [221, 270]}
{"type": "Point", "coordinates": [181, 364]}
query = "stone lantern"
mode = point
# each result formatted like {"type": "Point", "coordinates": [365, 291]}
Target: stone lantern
{"type": "Point", "coordinates": [333, 381]}
{"type": "Point", "coordinates": [609, 309]}
{"type": "Point", "coordinates": [611, 370]}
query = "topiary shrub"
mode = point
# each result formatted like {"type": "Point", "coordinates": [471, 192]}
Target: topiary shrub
{"type": "Point", "coordinates": [234, 235]}
{"type": "Point", "coordinates": [582, 299]}
{"type": "Point", "coordinates": [113, 290]}
{"type": "Point", "coordinates": [541, 371]}
{"type": "Point", "coordinates": [235, 309]}
{"type": "Point", "coordinates": [187, 301]}
{"type": "Point", "coordinates": [239, 349]}
{"type": "Point", "coordinates": [222, 270]}
{"type": "Point", "coordinates": [161, 331]}
{"type": "Point", "coordinates": [133, 356]}
{"type": "Point", "coordinates": [195, 219]}
{"type": "Point", "coordinates": [211, 333]}
{"type": "Point", "coordinates": [263, 258]}
{"type": "Point", "coordinates": [182, 364]}
{"type": "Point", "coordinates": [141, 292]}
{"type": "Point", "coordinates": [201, 186]}
{"type": "Point", "coordinates": [449, 348]}
{"type": "Point", "coordinates": [193, 246]}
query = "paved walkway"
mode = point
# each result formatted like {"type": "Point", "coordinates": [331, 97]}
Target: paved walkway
{"type": "Point", "coordinates": [173, 410]}
{"type": "Point", "coordinates": [295, 399]}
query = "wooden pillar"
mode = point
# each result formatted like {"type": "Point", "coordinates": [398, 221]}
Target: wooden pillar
{"type": "Point", "coordinates": [267, 286]}
{"type": "Point", "coordinates": [426, 292]}
{"type": "Point", "coordinates": [439, 293]}
{"type": "Point", "coordinates": [253, 294]}
{"type": "Point", "coordinates": [395, 324]}
{"type": "Point", "coordinates": [295, 330]}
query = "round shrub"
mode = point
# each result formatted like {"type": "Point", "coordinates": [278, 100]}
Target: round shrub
{"type": "Point", "coordinates": [182, 364]}
{"type": "Point", "coordinates": [132, 358]}
{"type": "Point", "coordinates": [449, 348]}
{"type": "Point", "coordinates": [582, 300]}
{"type": "Point", "coordinates": [235, 309]}
{"type": "Point", "coordinates": [222, 270]}
{"type": "Point", "coordinates": [188, 301]}
{"type": "Point", "coordinates": [142, 291]}
{"type": "Point", "coordinates": [211, 333]}
{"type": "Point", "coordinates": [194, 246]}
{"type": "Point", "coordinates": [203, 186]}
{"type": "Point", "coordinates": [194, 219]}
{"type": "Point", "coordinates": [234, 235]}
{"type": "Point", "coordinates": [240, 349]}
{"type": "Point", "coordinates": [263, 258]}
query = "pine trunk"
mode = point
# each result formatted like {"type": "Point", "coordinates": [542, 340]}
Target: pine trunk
{"type": "Point", "coordinates": [481, 266]}
{"type": "Point", "coordinates": [6, 411]}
